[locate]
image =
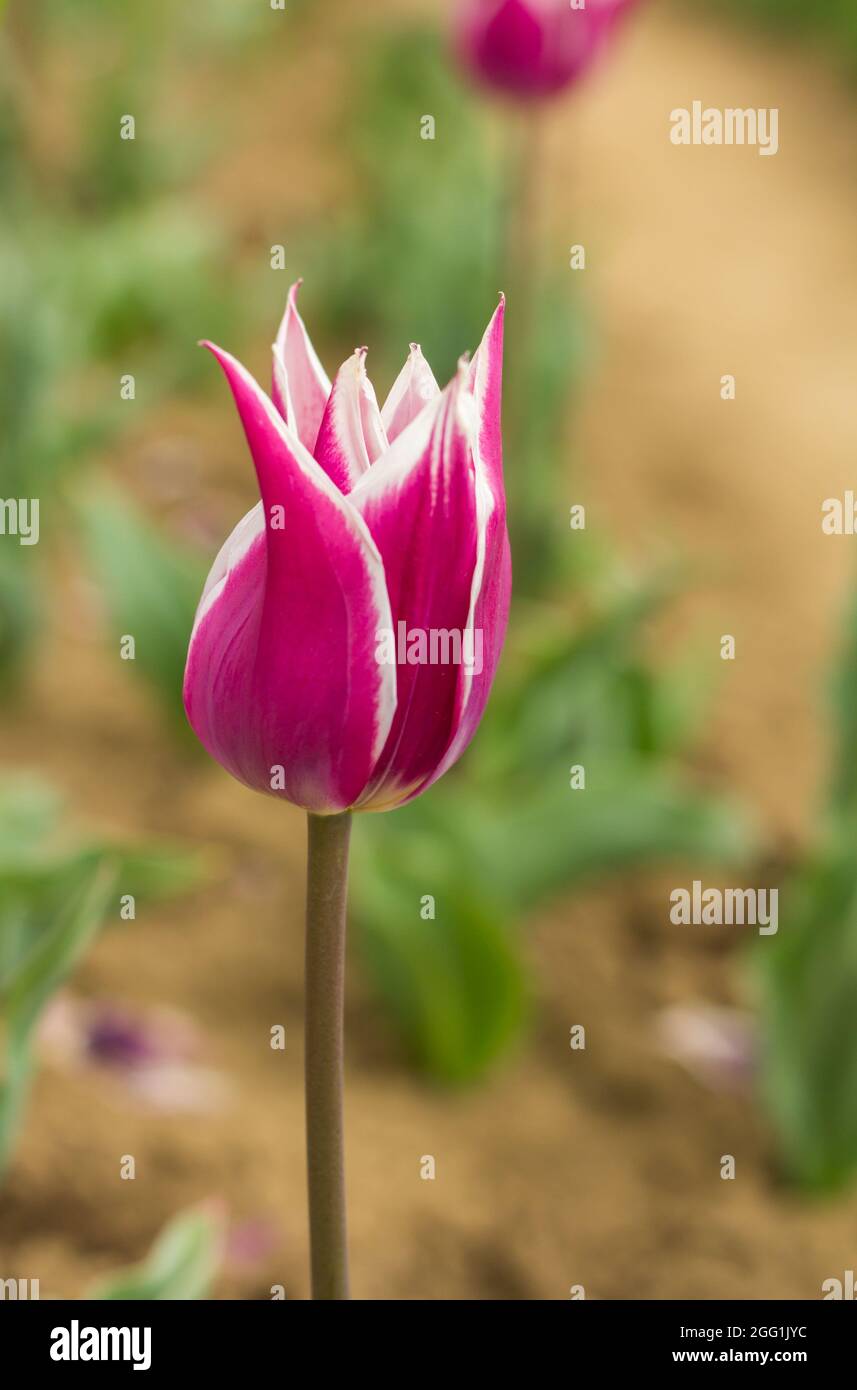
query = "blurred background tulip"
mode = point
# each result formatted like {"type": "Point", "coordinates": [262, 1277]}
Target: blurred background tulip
{"type": "Point", "coordinates": [531, 49]}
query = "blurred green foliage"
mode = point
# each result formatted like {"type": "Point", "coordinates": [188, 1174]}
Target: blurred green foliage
{"type": "Point", "coordinates": [54, 896]}
{"type": "Point", "coordinates": [151, 590]}
{"type": "Point", "coordinates": [806, 975]}
{"type": "Point", "coordinates": [46, 928]}
{"type": "Point", "coordinates": [149, 27]}
{"type": "Point", "coordinates": [417, 251]}
{"type": "Point", "coordinates": [104, 271]}
{"type": "Point", "coordinates": [807, 978]}
{"type": "Point", "coordinates": [182, 1264]}
{"type": "Point", "coordinates": [834, 21]}
{"type": "Point", "coordinates": [506, 831]}
{"type": "Point", "coordinates": [842, 783]}
{"type": "Point", "coordinates": [453, 981]}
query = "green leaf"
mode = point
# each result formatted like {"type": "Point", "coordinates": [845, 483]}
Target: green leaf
{"type": "Point", "coordinates": [181, 1265]}
{"type": "Point", "coordinates": [40, 965]}
{"type": "Point", "coordinates": [57, 950]}
{"type": "Point", "coordinates": [629, 815]}
{"type": "Point", "coordinates": [806, 977]}
{"type": "Point", "coordinates": [456, 984]}
{"type": "Point", "coordinates": [843, 791]}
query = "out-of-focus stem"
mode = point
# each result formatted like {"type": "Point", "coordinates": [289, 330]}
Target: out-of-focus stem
{"type": "Point", "coordinates": [522, 281]}
{"type": "Point", "coordinates": [522, 214]}
{"type": "Point", "coordinates": [327, 889]}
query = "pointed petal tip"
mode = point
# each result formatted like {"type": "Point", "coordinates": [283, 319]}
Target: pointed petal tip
{"type": "Point", "coordinates": [291, 308]}
{"type": "Point", "coordinates": [492, 338]}
{"type": "Point", "coordinates": [230, 364]}
{"type": "Point", "coordinates": [220, 353]}
{"type": "Point", "coordinates": [357, 361]}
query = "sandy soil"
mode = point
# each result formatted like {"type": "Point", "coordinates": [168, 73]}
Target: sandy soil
{"type": "Point", "coordinates": [598, 1168]}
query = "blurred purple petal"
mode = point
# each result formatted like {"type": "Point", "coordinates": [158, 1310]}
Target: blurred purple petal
{"type": "Point", "coordinates": [716, 1045]}
{"type": "Point", "coordinates": [150, 1052]}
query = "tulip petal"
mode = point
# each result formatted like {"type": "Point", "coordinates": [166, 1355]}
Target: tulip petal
{"type": "Point", "coordinates": [532, 48]}
{"type": "Point", "coordinates": [351, 436]}
{"type": "Point", "coordinates": [301, 386]}
{"type": "Point", "coordinates": [491, 589]}
{"type": "Point", "coordinates": [485, 380]}
{"type": "Point", "coordinates": [413, 388]}
{"type": "Point", "coordinates": [282, 686]}
{"type": "Point", "coordinates": [489, 614]}
{"type": "Point", "coordinates": [420, 505]}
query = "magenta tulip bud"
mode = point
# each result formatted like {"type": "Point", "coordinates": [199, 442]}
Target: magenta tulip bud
{"type": "Point", "coordinates": [349, 631]}
{"type": "Point", "coordinates": [533, 48]}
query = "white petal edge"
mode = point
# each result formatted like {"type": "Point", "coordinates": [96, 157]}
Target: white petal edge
{"type": "Point", "coordinates": [283, 332]}
{"type": "Point", "coordinates": [417, 375]}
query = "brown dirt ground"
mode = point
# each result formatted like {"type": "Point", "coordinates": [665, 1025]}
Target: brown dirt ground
{"type": "Point", "coordinates": [601, 1167]}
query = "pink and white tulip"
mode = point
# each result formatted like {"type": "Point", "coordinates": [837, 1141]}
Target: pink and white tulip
{"type": "Point", "coordinates": [369, 519]}
{"type": "Point", "coordinates": [531, 49]}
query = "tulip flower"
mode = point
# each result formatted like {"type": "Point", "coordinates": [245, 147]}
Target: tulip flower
{"type": "Point", "coordinates": [530, 49]}
{"type": "Point", "coordinates": [369, 520]}
{"type": "Point", "coordinates": [347, 638]}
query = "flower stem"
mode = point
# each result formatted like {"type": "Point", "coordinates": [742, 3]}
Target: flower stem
{"type": "Point", "coordinates": [327, 891]}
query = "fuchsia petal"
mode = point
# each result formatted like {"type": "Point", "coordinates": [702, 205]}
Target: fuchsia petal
{"type": "Point", "coordinates": [281, 669]}
{"type": "Point", "coordinates": [508, 45]}
{"type": "Point", "coordinates": [285, 682]}
{"type": "Point", "coordinates": [351, 436]}
{"type": "Point", "coordinates": [532, 49]}
{"type": "Point", "coordinates": [301, 386]}
{"type": "Point", "coordinates": [492, 578]}
{"type": "Point", "coordinates": [413, 388]}
{"type": "Point", "coordinates": [420, 505]}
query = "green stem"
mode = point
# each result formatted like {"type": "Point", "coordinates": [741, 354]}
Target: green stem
{"type": "Point", "coordinates": [327, 891]}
